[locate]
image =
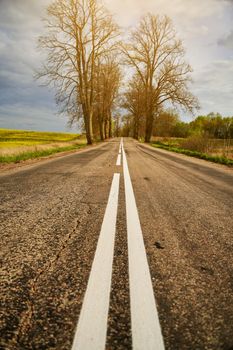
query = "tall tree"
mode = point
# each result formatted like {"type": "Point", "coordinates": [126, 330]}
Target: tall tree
{"type": "Point", "coordinates": [134, 102]}
{"type": "Point", "coordinates": [158, 58]}
{"type": "Point", "coordinates": [80, 33]}
{"type": "Point", "coordinates": [107, 87]}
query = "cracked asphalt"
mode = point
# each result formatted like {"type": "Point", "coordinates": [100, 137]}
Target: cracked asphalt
{"type": "Point", "coordinates": [51, 215]}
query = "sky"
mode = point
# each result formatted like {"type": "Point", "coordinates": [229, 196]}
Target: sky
{"type": "Point", "coordinates": [204, 26]}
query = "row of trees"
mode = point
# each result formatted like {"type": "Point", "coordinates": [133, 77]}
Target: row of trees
{"type": "Point", "coordinates": [85, 54]}
{"type": "Point", "coordinates": [213, 126]}
{"type": "Point", "coordinates": [168, 124]}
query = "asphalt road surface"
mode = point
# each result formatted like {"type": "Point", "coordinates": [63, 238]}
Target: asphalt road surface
{"type": "Point", "coordinates": [73, 258]}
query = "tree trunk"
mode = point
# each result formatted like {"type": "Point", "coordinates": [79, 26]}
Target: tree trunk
{"type": "Point", "coordinates": [101, 128]}
{"type": "Point", "coordinates": [106, 129]}
{"type": "Point", "coordinates": [91, 127]}
{"type": "Point", "coordinates": [136, 127]}
{"type": "Point", "coordinates": [149, 127]}
{"type": "Point", "coordinates": [109, 125]}
{"type": "Point", "coordinates": [89, 134]}
{"type": "Point", "coordinates": [88, 127]}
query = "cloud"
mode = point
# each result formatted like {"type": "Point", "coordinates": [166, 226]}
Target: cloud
{"type": "Point", "coordinates": [22, 13]}
{"type": "Point", "coordinates": [23, 104]}
{"type": "Point", "coordinates": [16, 116]}
{"type": "Point", "coordinates": [213, 85]}
{"type": "Point", "coordinates": [227, 41]}
{"type": "Point", "coordinates": [184, 10]}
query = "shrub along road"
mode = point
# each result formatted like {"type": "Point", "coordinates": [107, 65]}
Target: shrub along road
{"type": "Point", "coordinates": [51, 218]}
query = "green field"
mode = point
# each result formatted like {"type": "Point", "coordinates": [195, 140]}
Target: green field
{"type": "Point", "coordinates": [18, 145]}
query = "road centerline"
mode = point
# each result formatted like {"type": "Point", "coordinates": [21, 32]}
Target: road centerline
{"type": "Point", "coordinates": [121, 142]}
{"type": "Point", "coordinates": [92, 325]}
{"type": "Point", "coordinates": [118, 163]}
{"type": "Point", "coordinates": [146, 330]}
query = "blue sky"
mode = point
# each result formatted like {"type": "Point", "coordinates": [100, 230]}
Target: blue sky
{"type": "Point", "coordinates": [205, 26]}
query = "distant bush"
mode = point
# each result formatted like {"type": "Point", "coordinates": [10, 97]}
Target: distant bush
{"type": "Point", "coordinates": [197, 143]}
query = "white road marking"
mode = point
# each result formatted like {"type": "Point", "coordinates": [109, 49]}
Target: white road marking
{"type": "Point", "coordinates": [146, 330]}
{"type": "Point", "coordinates": [92, 325]}
{"type": "Point", "coordinates": [118, 163]}
{"type": "Point", "coordinates": [121, 143]}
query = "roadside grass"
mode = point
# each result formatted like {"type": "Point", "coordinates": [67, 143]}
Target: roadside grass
{"type": "Point", "coordinates": [20, 145]}
{"type": "Point", "coordinates": [191, 153]}
{"type": "Point", "coordinates": [37, 154]}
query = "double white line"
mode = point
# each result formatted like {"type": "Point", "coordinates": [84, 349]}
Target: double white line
{"type": "Point", "coordinates": [118, 163]}
{"type": "Point", "coordinates": [92, 325]}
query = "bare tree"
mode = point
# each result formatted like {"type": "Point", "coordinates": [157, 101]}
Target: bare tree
{"type": "Point", "coordinates": [107, 86]}
{"type": "Point", "coordinates": [134, 102]}
{"type": "Point", "coordinates": [80, 33]}
{"type": "Point", "coordinates": [158, 59]}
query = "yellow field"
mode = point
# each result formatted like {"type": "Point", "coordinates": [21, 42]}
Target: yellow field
{"type": "Point", "coordinates": [16, 142]}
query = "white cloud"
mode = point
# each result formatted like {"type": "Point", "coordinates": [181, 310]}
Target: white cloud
{"type": "Point", "coordinates": [185, 10]}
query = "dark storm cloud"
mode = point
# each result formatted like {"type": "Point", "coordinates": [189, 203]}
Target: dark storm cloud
{"type": "Point", "coordinates": [19, 26]}
{"type": "Point", "coordinates": [23, 103]}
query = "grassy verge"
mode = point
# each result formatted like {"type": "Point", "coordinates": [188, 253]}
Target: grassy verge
{"type": "Point", "coordinates": [37, 154]}
{"type": "Point", "coordinates": [215, 159]}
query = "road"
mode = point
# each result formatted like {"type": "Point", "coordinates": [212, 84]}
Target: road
{"type": "Point", "coordinates": [52, 216]}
